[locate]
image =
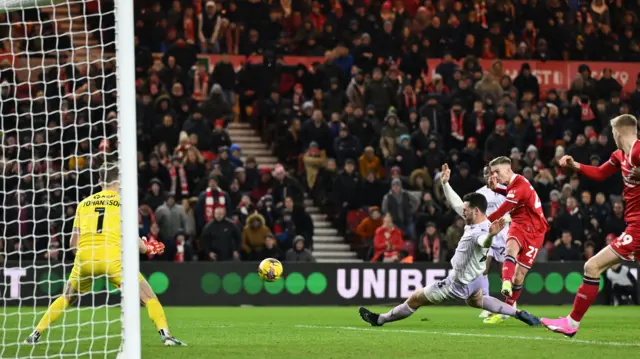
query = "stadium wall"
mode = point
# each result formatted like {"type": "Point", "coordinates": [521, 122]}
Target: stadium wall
{"type": "Point", "coordinates": [232, 284]}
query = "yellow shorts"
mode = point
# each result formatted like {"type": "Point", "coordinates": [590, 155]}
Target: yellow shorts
{"type": "Point", "coordinates": [86, 270]}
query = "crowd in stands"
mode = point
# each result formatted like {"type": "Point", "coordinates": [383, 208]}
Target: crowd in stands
{"type": "Point", "coordinates": [363, 133]}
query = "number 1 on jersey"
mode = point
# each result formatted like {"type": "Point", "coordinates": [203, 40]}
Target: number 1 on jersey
{"type": "Point", "coordinates": [100, 211]}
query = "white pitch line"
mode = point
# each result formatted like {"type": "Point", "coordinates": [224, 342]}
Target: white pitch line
{"type": "Point", "coordinates": [455, 334]}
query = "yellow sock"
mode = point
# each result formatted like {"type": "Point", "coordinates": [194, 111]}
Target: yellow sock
{"type": "Point", "coordinates": [53, 313]}
{"type": "Point", "coordinates": [156, 313]}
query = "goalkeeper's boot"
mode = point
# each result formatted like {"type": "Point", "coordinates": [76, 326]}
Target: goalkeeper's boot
{"type": "Point", "coordinates": [33, 339]}
{"type": "Point", "coordinates": [494, 319]}
{"type": "Point", "coordinates": [369, 317]}
{"type": "Point", "coordinates": [485, 314]}
{"type": "Point", "coordinates": [507, 288]}
{"type": "Point", "coordinates": [528, 318]}
{"type": "Point", "coordinates": [560, 325]}
{"type": "Point", "coordinates": [170, 341]}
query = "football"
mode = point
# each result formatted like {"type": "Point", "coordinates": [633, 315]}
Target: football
{"type": "Point", "coordinates": [270, 270]}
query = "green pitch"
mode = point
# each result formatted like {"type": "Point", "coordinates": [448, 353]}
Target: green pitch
{"type": "Point", "coordinates": [321, 332]}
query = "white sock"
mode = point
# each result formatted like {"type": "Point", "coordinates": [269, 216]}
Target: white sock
{"type": "Point", "coordinates": [400, 312]}
{"type": "Point", "coordinates": [164, 332]}
{"type": "Point", "coordinates": [574, 324]}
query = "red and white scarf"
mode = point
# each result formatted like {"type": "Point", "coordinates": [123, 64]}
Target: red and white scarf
{"type": "Point", "coordinates": [179, 258]}
{"type": "Point", "coordinates": [480, 122]}
{"type": "Point", "coordinates": [410, 100]}
{"type": "Point", "coordinates": [457, 127]}
{"type": "Point", "coordinates": [200, 85]}
{"type": "Point", "coordinates": [435, 251]}
{"type": "Point", "coordinates": [210, 203]}
{"type": "Point", "coordinates": [586, 113]}
{"type": "Point", "coordinates": [481, 11]}
{"type": "Point", "coordinates": [184, 185]}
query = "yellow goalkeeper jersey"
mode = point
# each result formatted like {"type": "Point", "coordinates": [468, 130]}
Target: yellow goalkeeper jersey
{"type": "Point", "coordinates": [98, 223]}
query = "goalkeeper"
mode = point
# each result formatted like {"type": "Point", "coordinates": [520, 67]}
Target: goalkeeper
{"type": "Point", "coordinates": [96, 241]}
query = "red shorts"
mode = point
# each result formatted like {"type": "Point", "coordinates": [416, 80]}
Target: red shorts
{"type": "Point", "coordinates": [627, 245]}
{"type": "Point", "coordinates": [530, 240]}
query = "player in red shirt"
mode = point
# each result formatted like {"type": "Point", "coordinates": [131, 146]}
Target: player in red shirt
{"type": "Point", "coordinates": [627, 246]}
{"type": "Point", "coordinates": [528, 225]}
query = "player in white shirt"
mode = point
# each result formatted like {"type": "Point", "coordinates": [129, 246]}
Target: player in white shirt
{"type": "Point", "coordinates": [465, 279]}
{"type": "Point", "coordinates": [498, 248]}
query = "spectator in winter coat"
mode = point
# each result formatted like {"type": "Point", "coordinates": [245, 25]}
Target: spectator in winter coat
{"type": "Point", "coordinates": [346, 191]}
{"type": "Point", "coordinates": [401, 205]}
{"type": "Point", "coordinates": [489, 89]}
{"type": "Point", "coordinates": [387, 241]}
{"type": "Point", "coordinates": [453, 235]}
{"type": "Point", "coordinates": [196, 124]}
{"type": "Point", "coordinates": [220, 239]}
{"type": "Point", "coordinates": [432, 246]}
{"type": "Point", "coordinates": [285, 186]}
{"type": "Point", "coordinates": [572, 220]}
{"type": "Point", "coordinates": [526, 82]}
{"type": "Point", "coordinates": [499, 143]}
{"type": "Point", "coordinates": [210, 199]}
{"type": "Point", "coordinates": [566, 248]}
{"type": "Point", "coordinates": [270, 248]}
{"type": "Point", "coordinates": [389, 135]}
{"type": "Point", "coordinates": [369, 162]}
{"type": "Point", "coordinates": [313, 160]}
{"type": "Point", "coordinates": [367, 228]}
{"type": "Point", "coordinates": [336, 98]}
{"type": "Point", "coordinates": [227, 168]}
{"type": "Point", "coordinates": [298, 253]}
{"type": "Point", "coordinates": [236, 152]}
{"type": "Point", "coordinates": [405, 155]}
{"type": "Point", "coordinates": [316, 130]}
{"type": "Point", "coordinates": [254, 236]}
{"type": "Point", "coordinates": [373, 190]}
{"type": "Point", "coordinates": [220, 137]}
{"type": "Point", "coordinates": [155, 196]}
{"type": "Point", "coordinates": [356, 91]}
{"type": "Point", "coordinates": [346, 146]}
{"type": "Point", "coordinates": [171, 218]}
{"type": "Point", "coordinates": [153, 169]}
{"type": "Point", "coordinates": [379, 93]}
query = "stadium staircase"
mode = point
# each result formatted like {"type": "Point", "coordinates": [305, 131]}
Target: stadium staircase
{"type": "Point", "coordinates": [329, 246]}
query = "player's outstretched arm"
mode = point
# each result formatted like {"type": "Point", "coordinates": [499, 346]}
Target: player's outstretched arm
{"type": "Point", "coordinates": [599, 173]}
{"type": "Point", "coordinates": [495, 228]}
{"type": "Point", "coordinates": [452, 197]}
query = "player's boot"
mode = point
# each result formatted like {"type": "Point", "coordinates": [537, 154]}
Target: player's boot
{"type": "Point", "coordinates": [485, 314]}
{"type": "Point", "coordinates": [494, 319]}
{"type": "Point", "coordinates": [369, 316]}
{"type": "Point", "coordinates": [33, 339]}
{"type": "Point", "coordinates": [170, 341]}
{"type": "Point", "coordinates": [560, 325]}
{"type": "Point", "coordinates": [528, 318]}
{"type": "Point", "coordinates": [507, 288]}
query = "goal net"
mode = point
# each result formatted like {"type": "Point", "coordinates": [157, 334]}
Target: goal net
{"type": "Point", "coordinates": [60, 121]}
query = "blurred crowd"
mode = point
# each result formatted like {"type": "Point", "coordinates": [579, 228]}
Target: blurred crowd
{"type": "Point", "coordinates": [363, 133]}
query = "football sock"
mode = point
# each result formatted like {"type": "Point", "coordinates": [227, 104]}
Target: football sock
{"type": "Point", "coordinates": [400, 312]}
{"type": "Point", "coordinates": [485, 285]}
{"type": "Point", "coordinates": [495, 305]}
{"type": "Point", "coordinates": [156, 313]}
{"type": "Point", "coordinates": [586, 295]}
{"type": "Point", "coordinates": [508, 268]}
{"type": "Point", "coordinates": [511, 300]}
{"type": "Point", "coordinates": [53, 313]}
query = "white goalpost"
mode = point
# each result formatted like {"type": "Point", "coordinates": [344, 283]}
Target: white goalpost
{"type": "Point", "coordinates": [67, 105]}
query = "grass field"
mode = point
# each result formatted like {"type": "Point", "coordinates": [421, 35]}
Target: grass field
{"type": "Point", "coordinates": [328, 333]}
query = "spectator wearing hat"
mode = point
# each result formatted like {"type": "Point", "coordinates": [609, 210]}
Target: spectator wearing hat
{"type": "Point", "coordinates": [526, 82]}
{"type": "Point", "coordinates": [155, 195]}
{"type": "Point", "coordinates": [369, 162]}
{"type": "Point", "coordinates": [387, 241]}
{"type": "Point", "coordinates": [299, 253]}
{"type": "Point", "coordinates": [210, 199]}
{"type": "Point", "coordinates": [463, 181]}
{"type": "Point", "coordinates": [254, 236]}
{"type": "Point", "coordinates": [405, 157]}
{"type": "Point", "coordinates": [367, 227]}
{"type": "Point", "coordinates": [170, 217]}
{"type": "Point", "coordinates": [346, 191]}
{"type": "Point", "coordinates": [346, 146]}
{"type": "Point", "coordinates": [235, 153]}
{"type": "Point", "coordinates": [499, 143]}
{"type": "Point", "coordinates": [472, 155]}
{"type": "Point", "coordinates": [220, 239]}
{"type": "Point", "coordinates": [313, 161]}
{"type": "Point", "coordinates": [336, 98]}
{"type": "Point", "coordinates": [196, 124]}
{"type": "Point", "coordinates": [216, 107]}
{"type": "Point", "coordinates": [227, 168]}
{"type": "Point", "coordinates": [402, 206]}
{"type": "Point", "coordinates": [389, 135]}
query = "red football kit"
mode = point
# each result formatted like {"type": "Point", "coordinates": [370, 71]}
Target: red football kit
{"type": "Point", "coordinates": [627, 245]}
{"type": "Point", "coordinates": [528, 223]}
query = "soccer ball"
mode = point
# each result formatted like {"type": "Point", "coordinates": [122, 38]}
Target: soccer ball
{"type": "Point", "coordinates": [270, 270]}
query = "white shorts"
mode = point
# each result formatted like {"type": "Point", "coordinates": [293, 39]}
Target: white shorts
{"type": "Point", "coordinates": [498, 248]}
{"type": "Point", "coordinates": [448, 289]}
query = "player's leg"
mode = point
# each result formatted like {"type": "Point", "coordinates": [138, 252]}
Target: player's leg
{"type": "Point", "coordinates": [156, 313]}
{"type": "Point", "coordinates": [433, 294]}
{"type": "Point", "coordinates": [75, 284]}
{"type": "Point", "coordinates": [587, 292]}
{"type": "Point", "coordinates": [514, 247]}
{"type": "Point", "coordinates": [494, 305]}
{"type": "Point", "coordinates": [485, 283]}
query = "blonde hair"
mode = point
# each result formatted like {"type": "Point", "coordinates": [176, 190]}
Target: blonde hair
{"type": "Point", "coordinates": [625, 121]}
{"type": "Point", "coordinates": [502, 160]}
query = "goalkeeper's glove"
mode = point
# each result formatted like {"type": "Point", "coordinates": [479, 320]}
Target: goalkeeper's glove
{"type": "Point", "coordinates": [153, 247]}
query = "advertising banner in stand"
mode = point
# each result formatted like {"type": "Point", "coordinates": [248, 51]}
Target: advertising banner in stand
{"type": "Point", "coordinates": [232, 284]}
{"type": "Point", "coordinates": [552, 75]}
